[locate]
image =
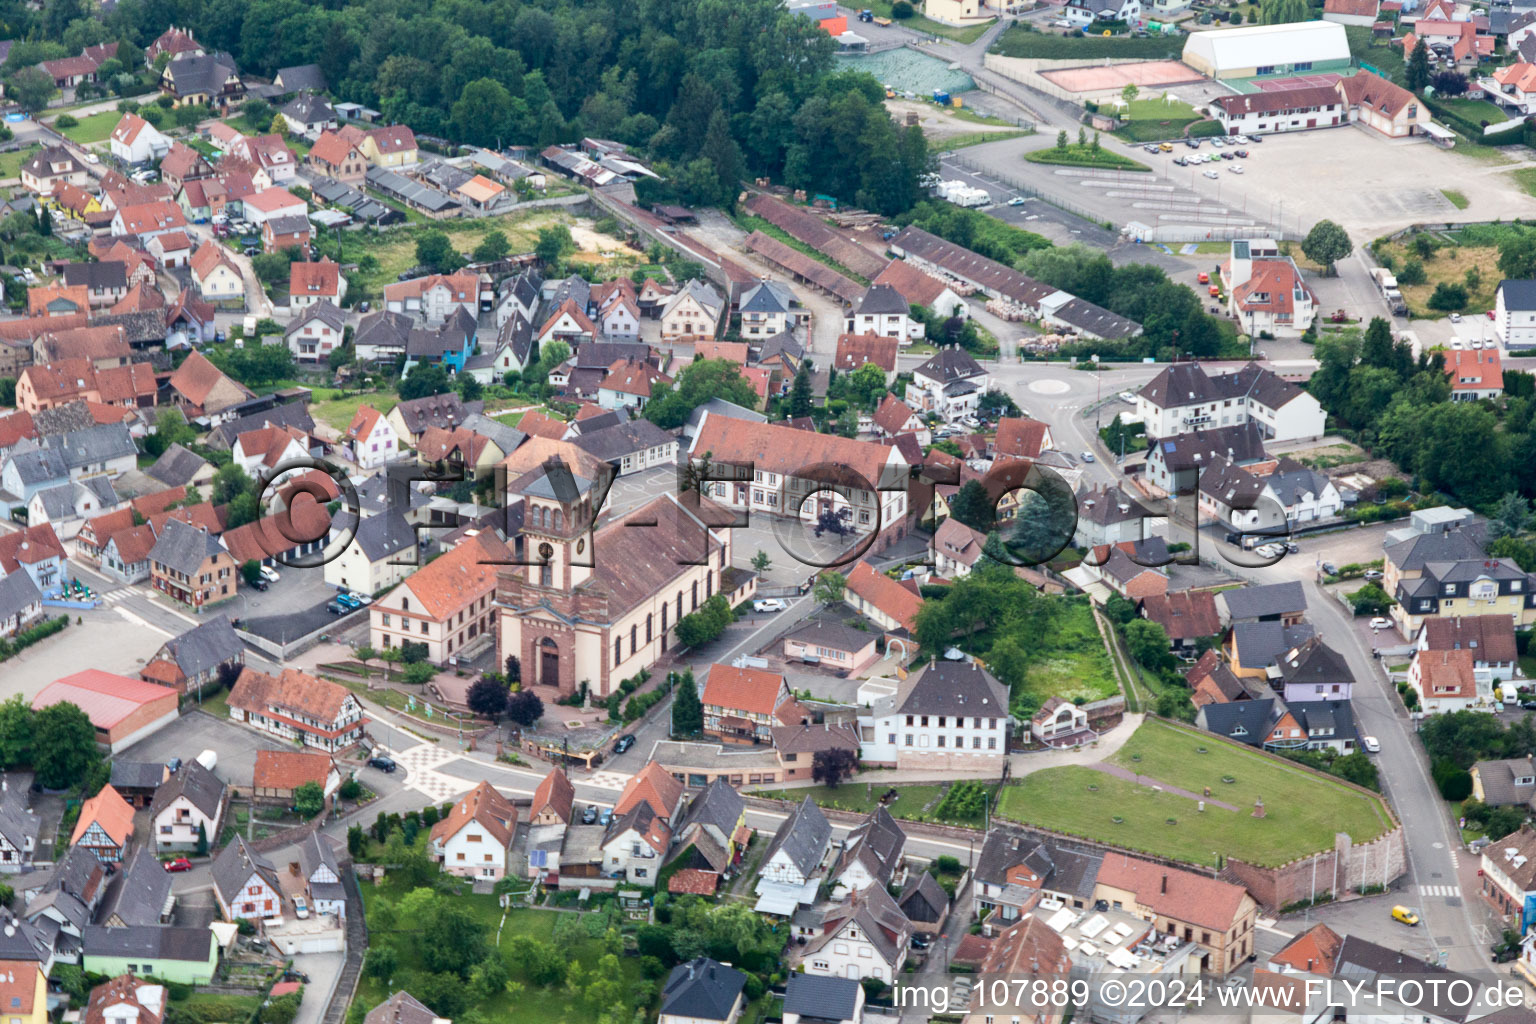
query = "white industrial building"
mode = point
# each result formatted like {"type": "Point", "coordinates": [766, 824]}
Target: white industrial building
{"type": "Point", "coordinates": [1259, 50]}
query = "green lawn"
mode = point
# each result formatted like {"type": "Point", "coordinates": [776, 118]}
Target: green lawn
{"type": "Point", "coordinates": [1456, 197]}
{"type": "Point", "coordinates": [1381, 55]}
{"type": "Point", "coordinates": [95, 128]}
{"type": "Point", "coordinates": [1303, 809]}
{"type": "Point", "coordinates": [1019, 41]}
{"type": "Point", "coordinates": [912, 803]}
{"type": "Point", "coordinates": [1153, 120]}
{"type": "Point", "coordinates": [338, 410]}
{"type": "Point", "coordinates": [1074, 664]}
{"type": "Point", "coordinates": [1085, 156]}
{"type": "Point", "coordinates": [1476, 110]}
{"type": "Point", "coordinates": [10, 163]}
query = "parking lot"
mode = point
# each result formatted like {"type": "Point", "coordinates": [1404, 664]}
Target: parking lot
{"type": "Point", "coordinates": [198, 731]}
{"type": "Point", "coordinates": [292, 607]}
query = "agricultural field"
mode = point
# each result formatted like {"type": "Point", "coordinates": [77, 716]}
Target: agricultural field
{"type": "Point", "coordinates": [1303, 809]}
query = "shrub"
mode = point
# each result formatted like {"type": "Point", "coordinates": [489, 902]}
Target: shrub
{"type": "Point", "coordinates": [902, 10]}
{"type": "Point", "coordinates": [1448, 296]}
{"type": "Point", "coordinates": [66, 121]}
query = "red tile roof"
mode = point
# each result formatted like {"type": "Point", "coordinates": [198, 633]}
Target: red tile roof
{"type": "Point", "coordinates": [316, 280]}
{"type": "Point", "coordinates": [750, 690]}
{"type": "Point", "coordinates": [1181, 895]}
{"type": "Point", "coordinates": [484, 806]}
{"type": "Point", "coordinates": [885, 594]}
{"type": "Point", "coordinates": [1184, 614]}
{"type": "Point", "coordinates": [918, 287]}
{"type": "Point", "coordinates": [652, 785]}
{"type": "Point", "coordinates": [693, 880]}
{"type": "Point", "coordinates": [1315, 951]}
{"type": "Point", "coordinates": [109, 810]}
{"type": "Point", "coordinates": [554, 792]}
{"type": "Point", "coordinates": [854, 350]}
{"type": "Point", "coordinates": [1446, 674]}
{"type": "Point", "coordinates": [1020, 438]}
{"type": "Point", "coordinates": [1475, 369]}
{"type": "Point", "coordinates": [447, 584]}
{"type": "Point", "coordinates": [290, 769]}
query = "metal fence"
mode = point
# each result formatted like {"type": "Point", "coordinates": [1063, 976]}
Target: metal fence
{"type": "Point", "coordinates": [1025, 188]}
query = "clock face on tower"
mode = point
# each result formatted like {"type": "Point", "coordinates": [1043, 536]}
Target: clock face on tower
{"type": "Point", "coordinates": [546, 552]}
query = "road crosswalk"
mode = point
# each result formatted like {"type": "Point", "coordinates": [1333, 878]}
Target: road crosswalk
{"type": "Point", "coordinates": [1439, 890]}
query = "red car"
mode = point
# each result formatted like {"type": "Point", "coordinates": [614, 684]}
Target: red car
{"type": "Point", "coordinates": [179, 864]}
{"type": "Point", "coordinates": [1491, 316]}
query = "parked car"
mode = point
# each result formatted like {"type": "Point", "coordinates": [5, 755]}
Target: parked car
{"type": "Point", "coordinates": [173, 765]}
{"type": "Point", "coordinates": [1236, 168]}
{"type": "Point", "coordinates": [1455, 318]}
{"type": "Point", "coordinates": [1017, 201]}
{"type": "Point", "coordinates": [335, 607]}
{"type": "Point", "coordinates": [1372, 574]}
{"type": "Point", "coordinates": [1405, 915]}
{"type": "Point", "coordinates": [1212, 174]}
{"type": "Point", "coordinates": [1127, 396]}
{"type": "Point", "coordinates": [179, 864]}
{"type": "Point", "coordinates": [1255, 138]}
{"type": "Point", "coordinates": [300, 906]}
{"type": "Point", "coordinates": [589, 816]}
{"type": "Point", "coordinates": [1371, 744]}
{"type": "Point", "coordinates": [269, 574]}
{"type": "Point", "coordinates": [624, 743]}
{"type": "Point", "coordinates": [348, 601]}
{"type": "Point", "coordinates": [1086, 456]}
{"type": "Point", "coordinates": [1329, 569]}
{"type": "Point", "coordinates": [1380, 623]}
{"type": "Point", "coordinates": [382, 763]}
{"type": "Point", "coordinates": [1242, 154]}
{"type": "Point", "coordinates": [605, 816]}
{"type": "Point", "coordinates": [769, 604]}
{"type": "Point", "coordinates": [260, 583]}
{"type": "Point", "coordinates": [1192, 143]}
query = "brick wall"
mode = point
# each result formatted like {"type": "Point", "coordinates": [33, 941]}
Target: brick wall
{"type": "Point", "coordinates": [144, 714]}
{"type": "Point", "coordinates": [1345, 868]}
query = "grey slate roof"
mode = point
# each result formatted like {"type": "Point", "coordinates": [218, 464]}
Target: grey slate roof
{"type": "Point", "coordinates": [1519, 295]}
{"type": "Point", "coordinates": [39, 465]}
{"type": "Point", "coordinates": [516, 334]}
{"type": "Point", "coordinates": [307, 108]}
{"type": "Point", "coordinates": [576, 288]}
{"type": "Point", "coordinates": [177, 465]}
{"type": "Point", "coordinates": [952, 688]}
{"type": "Point", "coordinates": [98, 276]}
{"type": "Point", "coordinates": [140, 893]}
{"type": "Point", "coordinates": [506, 438]}
{"type": "Point", "coordinates": [292, 224]}
{"type": "Point", "coordinates": [783, 342]}
{"type": "Point", "coordinates": [611, 444]}
{"type": "Point", "coordinates": [524, 287]}
{"type": "Point", "coordinates": [301, 77]}
{"type": "Point", "coordinates": [16, 821]}
{"type": "Point", "coordinates": [17, 593]}
{"type": "Point", "coordinates": [1325, 720]}
{"type": "Point", "coordinates": [1260, 644]}
{"type": "Point", "coordinates": [150, 942]}
{"type": "Point", "coordinates": [877, 843]}
{"type": "Point", "coordinates": [1498, 780]}
{"type": "Point", "coordinates": [1182, 384]}
{"type": "Point", "coordinates": [291, 414]}
{"type": "Point", "coordinates": [951, 364]}
{"type": "Point", "coordinates": [1292, 482]}
{"type": "Point", "coordinates": [1243, 721]}
{"type": "Point", "coordinates": [882, 299]}
{"type": "Point", "coordinates": [137, 774]}
{"type": "Point", "coordinates": [803, 836]}
{"type": "Point", "coordinates": [383, 535]}
{"type": "Point", "coordinates": [768, 297]}
{"type": "Point", "coordinates": [196, 783]}
{"type": "Point", "coordinates": [1092, 319]}
{"type": "Point", "coordinates": [201, 74]}
{"type": "Point", "coordinates": [1269, 601]}
{"type": "Point", "coordinates": [205, 647]}
{"type": "Point", "coordinates": [923, 900]}
{"type": "Point", "coordinates": [1314, 663]}
{"type": "Point", "coordinates": [1241, 444]}
{"type": "Point", "coordinates": [831, 634]}
{"type": "Point", "coordinates": [818, 998]}
{"type": "Point", "coordinates": [62, 419]}
{"type": "Point", "coordinates": [703, 989]}
{"type": "Point", "coordinates": [325, 311]}
{"type": "Point", "coordinates": [183, 547]}
{"type": "Point", "coordinates": [1455, 545]}
{"type": "Point", "coordinates": [234, 866]}
{"type": "Point", "coordinates": [719, 805]}
{"type": "Point", "coordinates": [445, 410]}
{"type": "Point", "coordinates": [96, 444]}
{"type": "Point", "coordinates": [400, 1008]}
{"type": "Point", "coordinates": [22, 940]}
{"type": "Point", "coordinates": [1359, 959]}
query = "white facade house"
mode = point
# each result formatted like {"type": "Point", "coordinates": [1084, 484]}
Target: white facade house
{"type": "Point", "coordinates": [187, 805]}
{"type": "Point", "coordinates": [799, 847]}
{"type": "Point", "coordinates": [1449, 681]}
{"type": "Point", "coordinates": [136, 141]}
{"type": "Point", "coordinates": [1266, 293]}
{"type": "Point", "coordinates": [950, 383]}
{"type": "Point", "coordinates": [371, 438]}
{"type": "Point", "coordinates": [634, 845]}
{"type": "Point", "coordinates": [316, 332]}
{"type": "Point", "coordinates": [868, 937]}
{"type": "Point", "coordinates": [951, 715]}
{"type": "Point", "coordinates": [245, 884]}
{"type": "Point", "coordinates": [882, 311]}
{"type": "Point", "coordinates": [1514, 314]}
{"type": "Point", "coordinates": [769, 308]}
{"type": "Point", "coordinates": [1183, 398]}
{"type": "Point", "coordinates": [475, 839]}
{"type": "Point", "coordinates": [1084, 13]}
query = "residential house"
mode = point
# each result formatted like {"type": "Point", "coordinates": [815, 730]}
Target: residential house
{"type": "Point", "coordinates": [870, 856]}
{"type": "Point", "coordinates": [956, 548]}
{"type": "Point", "coordinates": [769, 309]}
{"type": "Point", "coordinates": [640, 832]}
{"type": "Point", "coordinates": [1108, 515]}
{"type": "Point", "coordinates": [739, 703]}
{"type": "Point", "coordinates": [630, 447]}
{"type": "Point", "coordinates": [1187, 616]}
{"type": "Point", "coordinates": [300, 78]}
{"type": "Point", "coordinates": [1021, 438]}
{"type": "Point", "coordinates": [949, 714]}
{"type": "Point", "coordinates": [290, 231]}
{"type": "Point", "coordinates": [217, 279]}
{"type": "Point", "coordinates": [317, 330]}
{"type": "Point", "coordinates": [58, 300]}
{"type": "Point", "coordinates": [866, 937]}
{"type": "Point", "coordinates": [693, 311]}
{"type": "Point", "coordinates": [702, 991]}
{"type": "Point", "coordinates": [320, 872]}
{"type": "Point", "coordinates": [1085, 14]}
{"type": "Point", "coordinates": [475, 839]}
{"type": "Point", "coordinates": [105, 282]}
{"type": "Point", "coordinates": [203, 78]}
{"type": "Point", "coordinates": [1296, 108]}
{"type": "Point", "coordinates": [334, 157]}
{"type": "Point", "coordinates": [435, 297]}
{"type": "Point", "coordinates": [183, 165]}
{"type": "Point", "coordinates": [1510, 782]}
{"type": "Point", "coordinates": [712, 832]}
{"type": "Point", "coordinates": [1285, 603]}
{"type": "Point", "coordinates": [950, 384]}
{"type": "Point", "coordinates": [552, 800]}
{"type": "Point", "coordinates": [1254, 649]}
{"type": "Point", "coordinates": [260, 451]}
{"type": "Point", "coordinates": [446, 604]}
{"type": "Point", "coordinates": [410, 419]}
{"type": "Point", "coordinates": [105, 826]}
{"type": "Point", "coordinates": [793, 863]}
{"type": "Point", "coordinates": [1490, 639]}
{"type": "Point", "coordinates": [312, 283]}
{"type": "Point", "coordinates": [882, 600]}
{"type": "Point", "coordinates": [142, 894]}
{"type": "Point", "coordinates": [382, 551]}
{"type": "Point", "coordinates": [393, 147]}
{"type": "Point", "coordinates": [629, 384]}
{"type": "Point", "coordinates": [148, 220]}
{"type": "Point", "coordinates": [21, 607]}
{"type": "Point", "coordinates": [1446, 572]}
{"type": "Point", "coordinates": [199, 658]}
{"type": "Point", "coordinates": [617, 309]}
{"type": "Point", "coordinates": [884, 311]}
{"type": "Point", "coordinates": [308, 114]}
{"type": "Point", "coordinates": [894, 417]}
{"type": "Point", "coordinates": [188, 809]}
{"type": "Point", "coordinates": [1266, 293]}
{"type": "Point", "coordinates": [185, 956]}
{"type": "Point", "coordinates": [370, 439]}
{"type": "Point", "coordinates": [245, 884]}
{"type": "Point", "coordinates": [1448, 681]}
{"type": "Point", "coordinates": [279, 773]}
{"type": "Point", "coordinates": [1130, 568]}
{"type": "Point", "coordinates": [1178, 464]}
{"type": "Point", "coordinates": [381, 337]}
{"type": "Point", "coordinates": [51, 166]}
{"type": "Point", "coordinates": [19, 826]}
{"type": "Point", "coordinates": [1313, 671]}
{"type": "Point", "coordinates": [270, 203]}
{"type": "Point", "coordinates": [1475, 374]}
{"type": "Point", "coordinates": [34, 552]}
{"type": "Point", "coordinates": [189, 565]}
{"type": "Point", "coordinates": [1183, 398]}
{"type": "Point", "coordinates": [855, 350]}
{"type": "Point", "coordinates": [297, 706]}
{"type": "Point", "coordinates": [200, 389]}
{"type": "Point", "coordinates": [818, 999]}
{"type": "Point", "coordinates": [1514, 319]}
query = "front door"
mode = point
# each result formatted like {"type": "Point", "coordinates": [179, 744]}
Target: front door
{"type": "Point", "coordinates": [549, 664]}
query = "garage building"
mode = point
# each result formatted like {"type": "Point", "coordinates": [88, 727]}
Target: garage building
{"type": "Point", "coordinates": [1258, 51]}
{"type": "Point", "coordinates": [123, 710]}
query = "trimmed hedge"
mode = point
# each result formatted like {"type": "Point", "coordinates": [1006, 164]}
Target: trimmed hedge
{"type": "Point", "coordinates": [27, 637]}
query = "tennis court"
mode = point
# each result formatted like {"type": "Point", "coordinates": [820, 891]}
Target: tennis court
{"type": "Point", "coordinates": [1144, 74]}
{"type": "Point", "coordinates": [1294, 82]}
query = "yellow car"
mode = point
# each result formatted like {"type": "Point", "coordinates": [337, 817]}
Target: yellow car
{"type": "Point", "coordinates": [1166, 147]}
{"type": "Point", "coordinates": [1406, 915]}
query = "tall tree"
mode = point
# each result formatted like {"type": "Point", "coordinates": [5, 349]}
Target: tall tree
{"type": "Point", "coordinates": [800, 395]}
{"type": "Point", "coordinates": [723, 153]}
{"type": "Point", "coordinates": [64, 746]}
{"type": "Point", "coordinates": [1326, 243]}
{"type": "Point", "coordinates": [687, 710]}
{"type": "Point", "coordinates": [973, 506]}
{"type": "Point", "coordinates": [1416, 75]}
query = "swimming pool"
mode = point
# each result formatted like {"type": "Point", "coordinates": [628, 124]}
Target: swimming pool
{"type": "Point", "coordinates": [907, 70]}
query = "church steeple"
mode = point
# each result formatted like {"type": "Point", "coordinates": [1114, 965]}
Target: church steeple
{"type": "Point", "coordinates": [557, 519]}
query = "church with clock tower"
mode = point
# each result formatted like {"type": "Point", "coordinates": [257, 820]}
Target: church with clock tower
{"type": "Point", "coordinates": [575, 615]}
